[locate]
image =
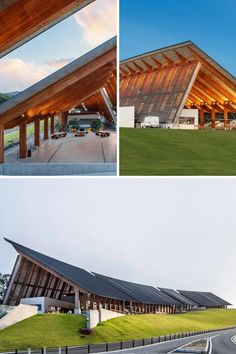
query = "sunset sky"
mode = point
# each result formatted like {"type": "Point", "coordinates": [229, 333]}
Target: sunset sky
{"type": "Point", "coordinates": [59, 45]}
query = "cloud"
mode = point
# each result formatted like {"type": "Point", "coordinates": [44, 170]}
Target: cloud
{"type": "Point", "coordinates": [98, 21]}
{"type": "Point", "coordinates": [58, 63]}
{"type": "Point", "coordinates": [16, 75]}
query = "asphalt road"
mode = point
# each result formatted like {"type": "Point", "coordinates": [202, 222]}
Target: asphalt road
{"type": "Point", "coordinates": [222, 343]}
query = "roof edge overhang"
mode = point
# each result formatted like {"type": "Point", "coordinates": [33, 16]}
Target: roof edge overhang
{"type": "Point", "coordinates": [53, 78]}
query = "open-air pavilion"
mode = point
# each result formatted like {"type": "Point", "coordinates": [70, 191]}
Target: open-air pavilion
{"type": "Point", "coordinates": [88, 82]}
{"type": "Point", "coordinates": [166, 81]}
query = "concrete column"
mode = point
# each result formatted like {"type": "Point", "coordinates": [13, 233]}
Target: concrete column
{"type": "Point", "coordinates": [52, 126]}
{"type": "Point", "coordinates": [77, 302]}
{"type": "Point", "coordinates": [37, 132]}
{"type": "Point", "coordinates": [1, 143]}
{"type": "Point", "coordinates": [213, 118]}
{"type": "Point", "coordinates": [226, 111]}
{"type": "Point", "coordinates": [91, 302]}
{"type": "Point", "coordinates": [23, 140]}
{"type": "Point", "coordinates": [46, 128]}
{"type": "Point", "coordinates": [202, 117]}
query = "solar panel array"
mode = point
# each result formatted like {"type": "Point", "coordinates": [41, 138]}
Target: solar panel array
{"type": "Point", "coordinates": [204, 299]}
{"type": "Point", "coordinates": [101, 285]}
{"type": "Point", "coordinates": [179, 297]}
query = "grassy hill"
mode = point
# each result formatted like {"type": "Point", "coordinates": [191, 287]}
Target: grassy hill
{"type": "Point", "coordinates": [59, 330]}
{"type": "Point", "coordinates": [177, 152]}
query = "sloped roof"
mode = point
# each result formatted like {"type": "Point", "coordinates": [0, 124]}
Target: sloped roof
{"type": "Point", "coordinates": [203, 298]}
{"type": "Point", "coordinates": [179, 297]}
{"type": "Point", "coordinates": [142, 293]}
{"type": "Point", "coordinates": [82, 278]}
{"type": "Point", "coordinates": [65, 88]}
{"type": "Point", "coordinates": [22, 20]}
{"type": "Point", "coordinates": [163, 81]}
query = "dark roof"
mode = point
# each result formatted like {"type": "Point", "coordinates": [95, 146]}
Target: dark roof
{"type": "Point", "coordinates": [205, 299]}
{"type": "Point", "coordinates": [179, 297]}
{"type": "Point", "coordinates": [78, 276]}
{"type": "Point", "coordinates": [142, 293]}
{"type": "Point", "coordinates": [218, 299]}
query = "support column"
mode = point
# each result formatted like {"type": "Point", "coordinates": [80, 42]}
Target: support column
{"type": "Point", "coordinates": [91, 302]}
{"type": "Point", "coordinates": [1, 143]}
{"type": "Point", "coordinates": [213, 118]}
{"type": "Point", "coordinates": [63, 119]}
{"type": "Point", "coordinates": [77, 303]}
{"type": "Point", "coordinates": [202, 111]}
{"type": "Point", "coordinates": [46, 128]}
{"type": "Point", "coordinates": [37, 132]}
{"type": "Point", "coordinates": [226, 111]}
{"type": "Point", "coordinates": [23, 140]}
{"type": "Point", "coordinates": [52, 126]}
{"type": "Point", "coordinates": [131, 307]}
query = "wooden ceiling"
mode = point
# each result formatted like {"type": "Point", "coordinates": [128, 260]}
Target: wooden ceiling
{"type": "Point", "coordinates": [21, 20]}
{"type": "Point", "coordinates": [64, 89]}
{"type": "Point", "coordinates": [213, 87]}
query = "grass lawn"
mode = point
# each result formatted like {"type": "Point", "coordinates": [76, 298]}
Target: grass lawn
{"type": "Point", "coordinates": [59, 330]}
{"type": "Point", "coordinates": [14, 135]}
{"type": "Point", "coordinates": [157, 152]}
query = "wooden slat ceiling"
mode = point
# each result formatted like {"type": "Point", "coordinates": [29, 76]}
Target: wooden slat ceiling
{"type": "Point", "coordinates": [21, 20]}
{"type": "Point", "coordinates": [64, 89]}
{"type": "Point", "coordinates": [214, 86]}
{"type": "Point", "coordinates": [96, 103]}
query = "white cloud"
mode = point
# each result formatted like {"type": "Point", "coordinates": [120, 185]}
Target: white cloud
{"type": "Point", "coordinates": [98, 21]}
{"type": "Point", "coordinates": [58, 63]}
{"type": "Point", "coordinates": [16, 75]}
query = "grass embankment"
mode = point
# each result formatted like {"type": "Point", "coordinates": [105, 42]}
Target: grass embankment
{"type": "Point", "coordinates": [177, 152]}
{"type": "Point", "coordinates": [60, 330]}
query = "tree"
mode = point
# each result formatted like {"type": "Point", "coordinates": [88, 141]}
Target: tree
{"type": "Point", "coordinates": [4, 280]}
{"type": "Point", "coordinates": [96, 124]}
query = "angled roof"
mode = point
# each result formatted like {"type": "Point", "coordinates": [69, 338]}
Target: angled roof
{"type": "Point", "coordinates": [22, 20]}
{"type": "Point", "coordinates": [65, 88]}
{"type": "Point", "coordinates": [203, 298]}
{"type": "Point", "coordinates": [74, 275]}
{"type": "Point", "coordinates": [164, 81]}
{"type": "Point", "coordinates": [142, 293]}
{"type": "Point", "coordinates": [179, 297]}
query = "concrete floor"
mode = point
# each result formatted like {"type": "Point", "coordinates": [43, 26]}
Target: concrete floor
{"type": "Point", "coordinates": [71, 149]}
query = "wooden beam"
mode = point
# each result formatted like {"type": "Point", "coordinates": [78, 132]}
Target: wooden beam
{"type": "Point", "coordinates": [45, 130]}
{"type": "Point", "coordinates": [23, 140]}
{"type": "Point", "coordinates": [37, 131]}
{"type": "Point", "coordinates": [1, 144]}
{"type": "Point", "coordinates": [22, 20]}
{"type": "Point", "coordinates": [52, 124]}
{"type": "Point", "coordinates": [202, 112]}
{"type": "Point", "coordinates": [226, 111]}
{"type": "Point", "coordinates": [213, 118]}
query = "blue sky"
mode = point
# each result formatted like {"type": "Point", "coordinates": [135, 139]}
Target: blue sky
{"type": "Point", "coordinates": [152, 24]}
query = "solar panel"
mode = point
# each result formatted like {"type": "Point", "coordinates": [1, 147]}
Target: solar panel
{"type": "Point", "coordinates": [81, 277]}
{"type": "Point", "coordinates": [142, 293]}
{"type": "Point", "coordinates": [179, 297]}
{"type": "Point", "coordinates": [201, 298]}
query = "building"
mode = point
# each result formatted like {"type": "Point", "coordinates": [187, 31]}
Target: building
{"type": "Point", "coordinates": [180, 84]}
{"type": "Point", "coordinates": [40, 280]}
{"type": "Point", "coordinates": [87, 82]}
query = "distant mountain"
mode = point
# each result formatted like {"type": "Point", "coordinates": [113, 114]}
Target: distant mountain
{"type": "Point", "coordinates": [11, 94]}
{"type": "Point", "coordinates": [7, 96]}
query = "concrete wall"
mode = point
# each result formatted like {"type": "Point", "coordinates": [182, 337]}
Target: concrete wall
{"type": "Point", "coordinates": [56, 169]}
{"type": "Point", "coordinates": [96, 316]}
{"type": "Point", "coordinates": [189, 113]}
{"type": "Point", "coordinates": [19, 313]}
{"type": "Point", "coordinates": [126, 117]}
{"type": "Point", "coordinates": [44, 304]}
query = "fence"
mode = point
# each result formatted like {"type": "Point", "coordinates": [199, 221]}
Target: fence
{"type": "Point", "coordinates": [107, 347]}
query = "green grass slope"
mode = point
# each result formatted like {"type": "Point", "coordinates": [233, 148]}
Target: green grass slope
{"type": "Point", "coordinates": [177, 152]}
{"type": "Point", "coordinates": [61, 330]}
